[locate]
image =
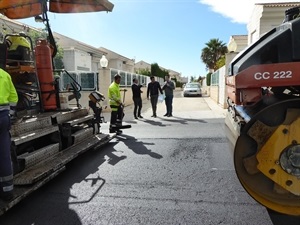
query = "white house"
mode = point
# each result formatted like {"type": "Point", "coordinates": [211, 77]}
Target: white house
{"type": "Point", "coordinates": [79, 56]}
{"type": "Point", "coordinates": [142, 65]}
{"type": "Point", "coordinates": [266, 16]}
{"type": "Point", "coordinates": [237, 43]}
{"type": "Point", "coordinates": [118, 61]}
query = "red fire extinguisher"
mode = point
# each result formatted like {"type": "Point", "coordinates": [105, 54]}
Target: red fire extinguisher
{"type": "Point", "coordinates": [44, 71]}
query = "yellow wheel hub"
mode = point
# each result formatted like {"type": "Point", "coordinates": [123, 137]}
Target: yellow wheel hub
{"type": "Point", "coordinates": [279, 158]}
{"type": "Point", "coordinates": [267, 157]}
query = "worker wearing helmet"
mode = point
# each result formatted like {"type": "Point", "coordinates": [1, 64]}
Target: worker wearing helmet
{"type": "Point", "coordinates": [18, 47]}
{"type": "Point", "coordinates": [115, 103]}
{"type": "Point", "coordinates": [8, 102]}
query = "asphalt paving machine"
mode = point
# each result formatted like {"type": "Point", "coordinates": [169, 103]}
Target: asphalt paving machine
{"type": "Point", "coordinates": [46, 134]}
{"type": "Point", "coordinates": [263, 88]}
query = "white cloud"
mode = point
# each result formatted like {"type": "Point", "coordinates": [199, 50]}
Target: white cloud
{"type": "Point", "coordinates": [238, 11]}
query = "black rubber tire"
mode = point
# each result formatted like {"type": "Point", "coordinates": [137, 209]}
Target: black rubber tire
{"type": "Point", "coordinates": [282, 219]}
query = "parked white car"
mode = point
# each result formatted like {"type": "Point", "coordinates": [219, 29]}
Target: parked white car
{"type": "Point", "coordinates": [192, 89]}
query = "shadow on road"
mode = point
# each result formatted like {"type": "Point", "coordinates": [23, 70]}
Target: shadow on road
{"type": "Point", "coordinates": [114, 159]}
{"type": "Point", "coordinates": [154, 123]}
{"type": "Point", "coordinates": [168, 119]}
{"type": "Point", "coordinates": [182, 120]}
{"type": "Point", "coordinates": [51, 204]}
{"type": "Point", "coordinates": [137, 146]}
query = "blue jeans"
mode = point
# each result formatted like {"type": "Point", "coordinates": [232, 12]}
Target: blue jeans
{"type": "Point", "coordinates": [169, 102]}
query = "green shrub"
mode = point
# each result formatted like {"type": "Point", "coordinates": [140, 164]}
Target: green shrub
{"type": "Point", "coordinates": [208, 79]}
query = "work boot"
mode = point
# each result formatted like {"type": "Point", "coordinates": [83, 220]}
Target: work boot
{"type": "Point", "coordinates": [112, 130]}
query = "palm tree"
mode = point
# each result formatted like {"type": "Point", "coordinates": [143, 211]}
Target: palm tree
{"type": "Point", "coordinates": [212, 53]}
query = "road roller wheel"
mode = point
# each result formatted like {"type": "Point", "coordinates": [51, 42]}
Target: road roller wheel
{"type": "Point", "coordinates": [282, 219]}
{"type": "Point", "coordinates": [267, 158]}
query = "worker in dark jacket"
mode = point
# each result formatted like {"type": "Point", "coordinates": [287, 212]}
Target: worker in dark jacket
{"type": "Point", "coordinates": [8, 102]}
{"type": "Point", "coordinates": [153, 91]}
{"type": "Point", "coordinates": [168, 87]}
{"type": "Point", "coordinates": [136, 97]}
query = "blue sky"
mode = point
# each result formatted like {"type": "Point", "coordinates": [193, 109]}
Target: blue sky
{"type": "Point", "coordinates": [171, 33]}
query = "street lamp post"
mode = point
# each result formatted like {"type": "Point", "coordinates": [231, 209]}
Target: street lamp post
{"type": "Point", "coordinates": [103, 62]}
{"type": "Point", "coordinates": [104, 75]}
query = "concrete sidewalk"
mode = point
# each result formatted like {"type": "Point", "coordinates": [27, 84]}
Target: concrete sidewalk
{"type": "Point", "coordinates": [214, 106]}
{"type": "Point", "coordinates": [217, 110]}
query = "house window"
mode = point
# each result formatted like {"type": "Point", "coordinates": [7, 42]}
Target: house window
{"type": "Point", "coordinates": [88, 81]}
{"type": "Point", "coordinates": [129, 79]}
{"type": "Point", "coordinates": [112, 74]}
{"type": "Point", "coordinates": [126, 78]}
{"type": "Point", "coordinates": [215, 78]}
{"type": "Point", "coordinates": [66, 80]}
{"type": "Point", "coordinates": [123, 78]}
{"type": "Point", "coordinates": [143, 80]}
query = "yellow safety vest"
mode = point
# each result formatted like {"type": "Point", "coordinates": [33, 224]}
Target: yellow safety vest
{"type": "Point", "coordinates": [114, 95]}
{"type": "Point", "coordinates": [16, 41]}
{"type": "Point", "coordinates": [8, 93]}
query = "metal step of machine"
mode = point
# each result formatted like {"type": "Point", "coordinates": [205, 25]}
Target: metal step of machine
{"type": "Point", "coordinates": [44, 144]}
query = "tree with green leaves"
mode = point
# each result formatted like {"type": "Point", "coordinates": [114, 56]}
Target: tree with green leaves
{"type": "Point", "coordinates": [36, 35]}
{"type": "Point", "coordinates": [145, 72]}
{"type": "Point", "coordinates": [157, 71]}
{"type": "Point", "coordinates": [208, 78]}
{"type": "Point", "coordinates": [221, 62]}
{"type": "Point", "coordinates": [212, 53]}
{"type": "Point", "coordinates": [58, 59]}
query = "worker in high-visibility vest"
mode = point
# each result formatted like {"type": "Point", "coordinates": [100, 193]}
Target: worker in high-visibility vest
{"type": "Point", "coordinates": [116, 104]}
{"type": "Point", "coordinates": [8, 102]}
{"type": "Point", "coordinates": [18, 48]}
